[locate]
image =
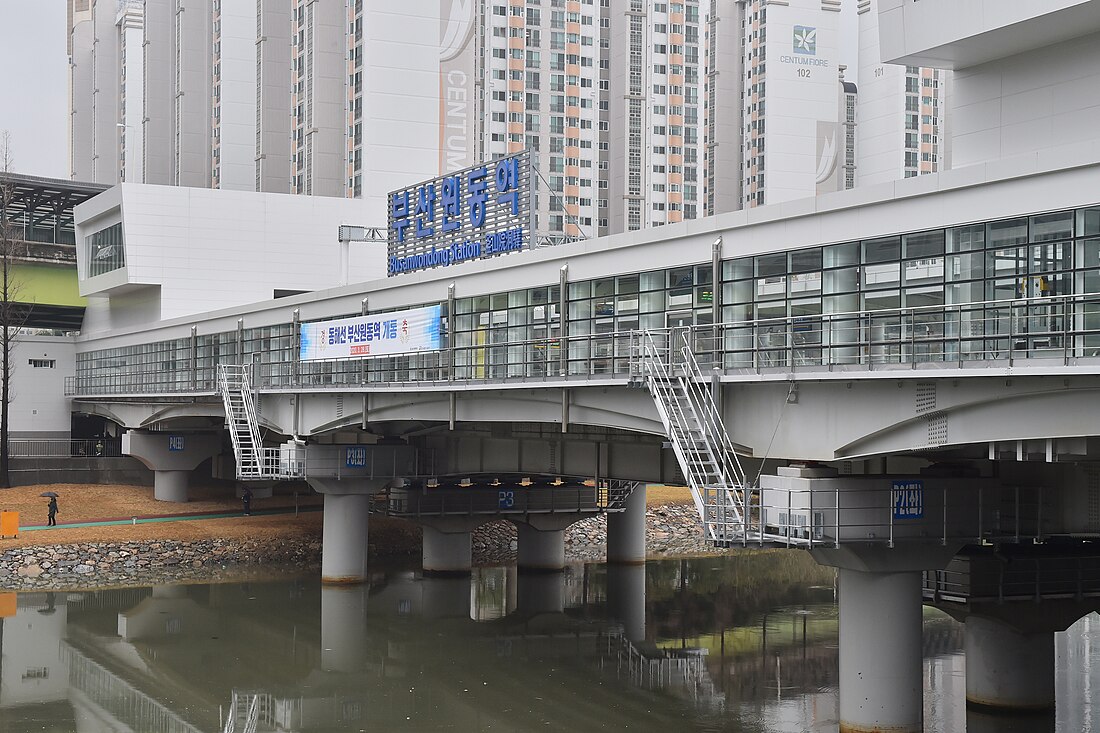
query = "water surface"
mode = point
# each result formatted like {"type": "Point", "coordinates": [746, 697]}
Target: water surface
{"type": "Point", "coordinates": [743, 644]}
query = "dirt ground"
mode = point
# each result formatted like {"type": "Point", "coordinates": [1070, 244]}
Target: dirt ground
{"type": "Point", "coordinates": [92, 502]}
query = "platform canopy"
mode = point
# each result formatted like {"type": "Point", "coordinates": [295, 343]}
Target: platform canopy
{"type": "Point", "coordinates": [40, 212]}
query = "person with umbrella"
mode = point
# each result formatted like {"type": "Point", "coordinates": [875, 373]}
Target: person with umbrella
{"type": "Point", "coordinates": [51, 508]}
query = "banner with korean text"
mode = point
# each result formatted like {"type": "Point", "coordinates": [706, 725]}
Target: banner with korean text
{"type": "Point", "coordinates": [385, 334]}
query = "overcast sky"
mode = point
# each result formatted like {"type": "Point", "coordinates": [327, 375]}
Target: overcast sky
{"type": "Point", "coordinates": [34, 85]}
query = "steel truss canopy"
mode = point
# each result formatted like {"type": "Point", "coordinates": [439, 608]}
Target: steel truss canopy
{"type": "Point", "coordinates": [41, 209]}
{"type": "Point", "coordinates": [40, 213]}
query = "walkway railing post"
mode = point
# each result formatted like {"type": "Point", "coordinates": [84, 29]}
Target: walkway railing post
{"type": "Point", "coordinates": [563, 320]}
{"type": "Point", "coordinates": [295, 346]}
{"type": "Point", "coordinates": [451, 332]}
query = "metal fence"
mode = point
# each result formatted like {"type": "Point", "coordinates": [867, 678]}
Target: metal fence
{"type": "Point", "coordinates": [65, 448]}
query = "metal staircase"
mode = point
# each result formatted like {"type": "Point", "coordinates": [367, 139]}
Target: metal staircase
{"type": "Point", "coordinates": [240, 415]}
{"type": "Point", "coordinates": [254, 462]}
{"type": "Point", "coordinates": [694, 427]}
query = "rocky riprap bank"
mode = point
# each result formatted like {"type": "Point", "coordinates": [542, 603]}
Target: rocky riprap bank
{"type": "Point", "coordinates": [670, 531]}
{"type": "Point", "coordinates": [105, 564]}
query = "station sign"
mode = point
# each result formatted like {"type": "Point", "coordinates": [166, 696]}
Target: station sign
{"type": "Point", "coordinates": [478, 212]}
{"type": "Point", "coordinates": [907, 499]}
{"type": "Point", "coordinates": [386, 334]}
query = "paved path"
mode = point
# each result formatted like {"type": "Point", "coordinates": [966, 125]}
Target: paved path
{"type": "Point", "coordinates": [148, 518]}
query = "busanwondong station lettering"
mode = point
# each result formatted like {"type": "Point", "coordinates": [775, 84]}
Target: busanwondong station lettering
{"type": "Point", "coordinates": [495, 243]}
{"type": "Point", "coordinates": [482, 211]}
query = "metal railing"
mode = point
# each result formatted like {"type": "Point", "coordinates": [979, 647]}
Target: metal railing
{"type": "Point", "coordinates": [830, 517]}
{"type": "Point", "coordinates": [970, 578]}
{"type": "Point", "coordinates": [65, 447]}
{"type": "Point", "coordinates": [1058, 331]}
{"type": "Point", "coordinates": [496, 501]}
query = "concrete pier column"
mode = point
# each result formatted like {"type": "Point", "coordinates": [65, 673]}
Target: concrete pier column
{"type": "Point", "coordinates": [880, 652]}
{"type": "Point", "coordinates": [1006, 669]}
{"type": "Point", "coordinates": [171, 485]}
{"type": "Point", "coordinates": [626, 530]}
{"type": "Point", "coordinates": [540, 549]}
{"type": "Point", "coordinates": [447, 545]}
{"type": "Point", "coordinates": [343, 628]}
{"type": "Point", "coordinates": [344, 538]}
{"type": "Point", "coordinates": [540, 541]}
{"type": "Point", "coordinates": [626, 599]}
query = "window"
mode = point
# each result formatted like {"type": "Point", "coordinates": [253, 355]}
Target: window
{"type": "Point", "coordinates": [104, 250]}
{"type": "Point", "coordinates": [42, 363]}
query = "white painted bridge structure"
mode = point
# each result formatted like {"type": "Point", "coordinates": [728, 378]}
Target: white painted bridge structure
{"type": "Point", "coordinates": [884, 377]}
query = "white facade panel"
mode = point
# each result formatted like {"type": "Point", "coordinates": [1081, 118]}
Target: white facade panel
{"type": "Point", "coordinates": [236, 126]}
{"type": "Point", "coordinates": [401, 100]}
{"type": "Point", "coordinates": [189, 250]}
{"type": "Point", "coordinates": [803, 137]}
{"type": "Point", "coordinates": [39, 407]}
{"type": "Point", "coordinates": [1042, 100]}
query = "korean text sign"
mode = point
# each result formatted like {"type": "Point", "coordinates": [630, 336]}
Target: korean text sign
{"type": "Point", "coordinates": [469, 214]}
{"type": "Point", "coordinates": [385, 334]}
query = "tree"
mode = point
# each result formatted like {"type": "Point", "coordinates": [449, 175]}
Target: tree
{"type": "Point", "coordinates": [13, 313]}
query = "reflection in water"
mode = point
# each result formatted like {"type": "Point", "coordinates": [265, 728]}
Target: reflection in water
{"type": "Point", "coordinates": [742, 643]}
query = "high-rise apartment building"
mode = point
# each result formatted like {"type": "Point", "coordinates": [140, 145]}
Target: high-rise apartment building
{"type": "Point", "coordinates": [657, 78]}
{"type": "Point", "coordinates": [791, 123]}
{"type": "Point", "coordinates": [638, 113]}
{"type": "Point", "coordinates": [901, 112]}
{"type": "Point", "coordinates": [542, 90]}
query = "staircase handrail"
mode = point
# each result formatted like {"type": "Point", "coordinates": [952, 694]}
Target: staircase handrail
{"type": "Point", "coordinates": [658, 372]}
{"type": "Point", "coordinates": [711, 416]}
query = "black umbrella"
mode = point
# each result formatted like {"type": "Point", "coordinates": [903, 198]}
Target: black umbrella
{"type": "Point", "coordinates": [48, 493]}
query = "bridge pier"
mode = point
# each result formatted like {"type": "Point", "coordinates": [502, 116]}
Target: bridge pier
{"type": "Point", "coordinates": [171, 457]}
{"type": "Point", "coordinates": [344, 528]}
{"type": "Point", "coordinates": [880, 652]}
{"type": "Point", "coordinates": [626, 530]}
{"type": "Point", "coordinates": [447, 547]}
{"type": "Point", "coordinates": [1008, 670]}
{"type": "Point", "coordinates": [541, 541]}
{"type": "Point", "coordinates": [881, 685]}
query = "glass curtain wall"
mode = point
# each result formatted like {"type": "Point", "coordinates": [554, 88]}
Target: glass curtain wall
{"type": "Point", "coordinates": [951, 294]}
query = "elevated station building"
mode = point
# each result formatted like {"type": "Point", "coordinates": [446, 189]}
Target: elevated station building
{"type": "Point", "coordinates": [897, 378]}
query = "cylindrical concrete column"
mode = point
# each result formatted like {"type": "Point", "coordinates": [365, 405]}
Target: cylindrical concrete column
{"type": "Point", "coordinates": [446, 552]}
{"type": "Point", "coordinates": [626, 599]}
{"type": "Point", "coordinates": [626, 530]}
{"type": "Point", "coordinates": [880, 652]}
{"type": "Point", "coordinates": [343, 628]}
{"type": "Point", "coordinates": [539, 549]}
{"type": "Point", "coordinates": [344, 538]}
{"type": "Point", "coordinates": [1006, 669]}
{"type": "Point", "coordinates": [171, 485]}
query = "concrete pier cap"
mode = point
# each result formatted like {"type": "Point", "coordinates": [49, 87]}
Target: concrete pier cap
{"type": "Point", "coordinates": [172, 457]}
